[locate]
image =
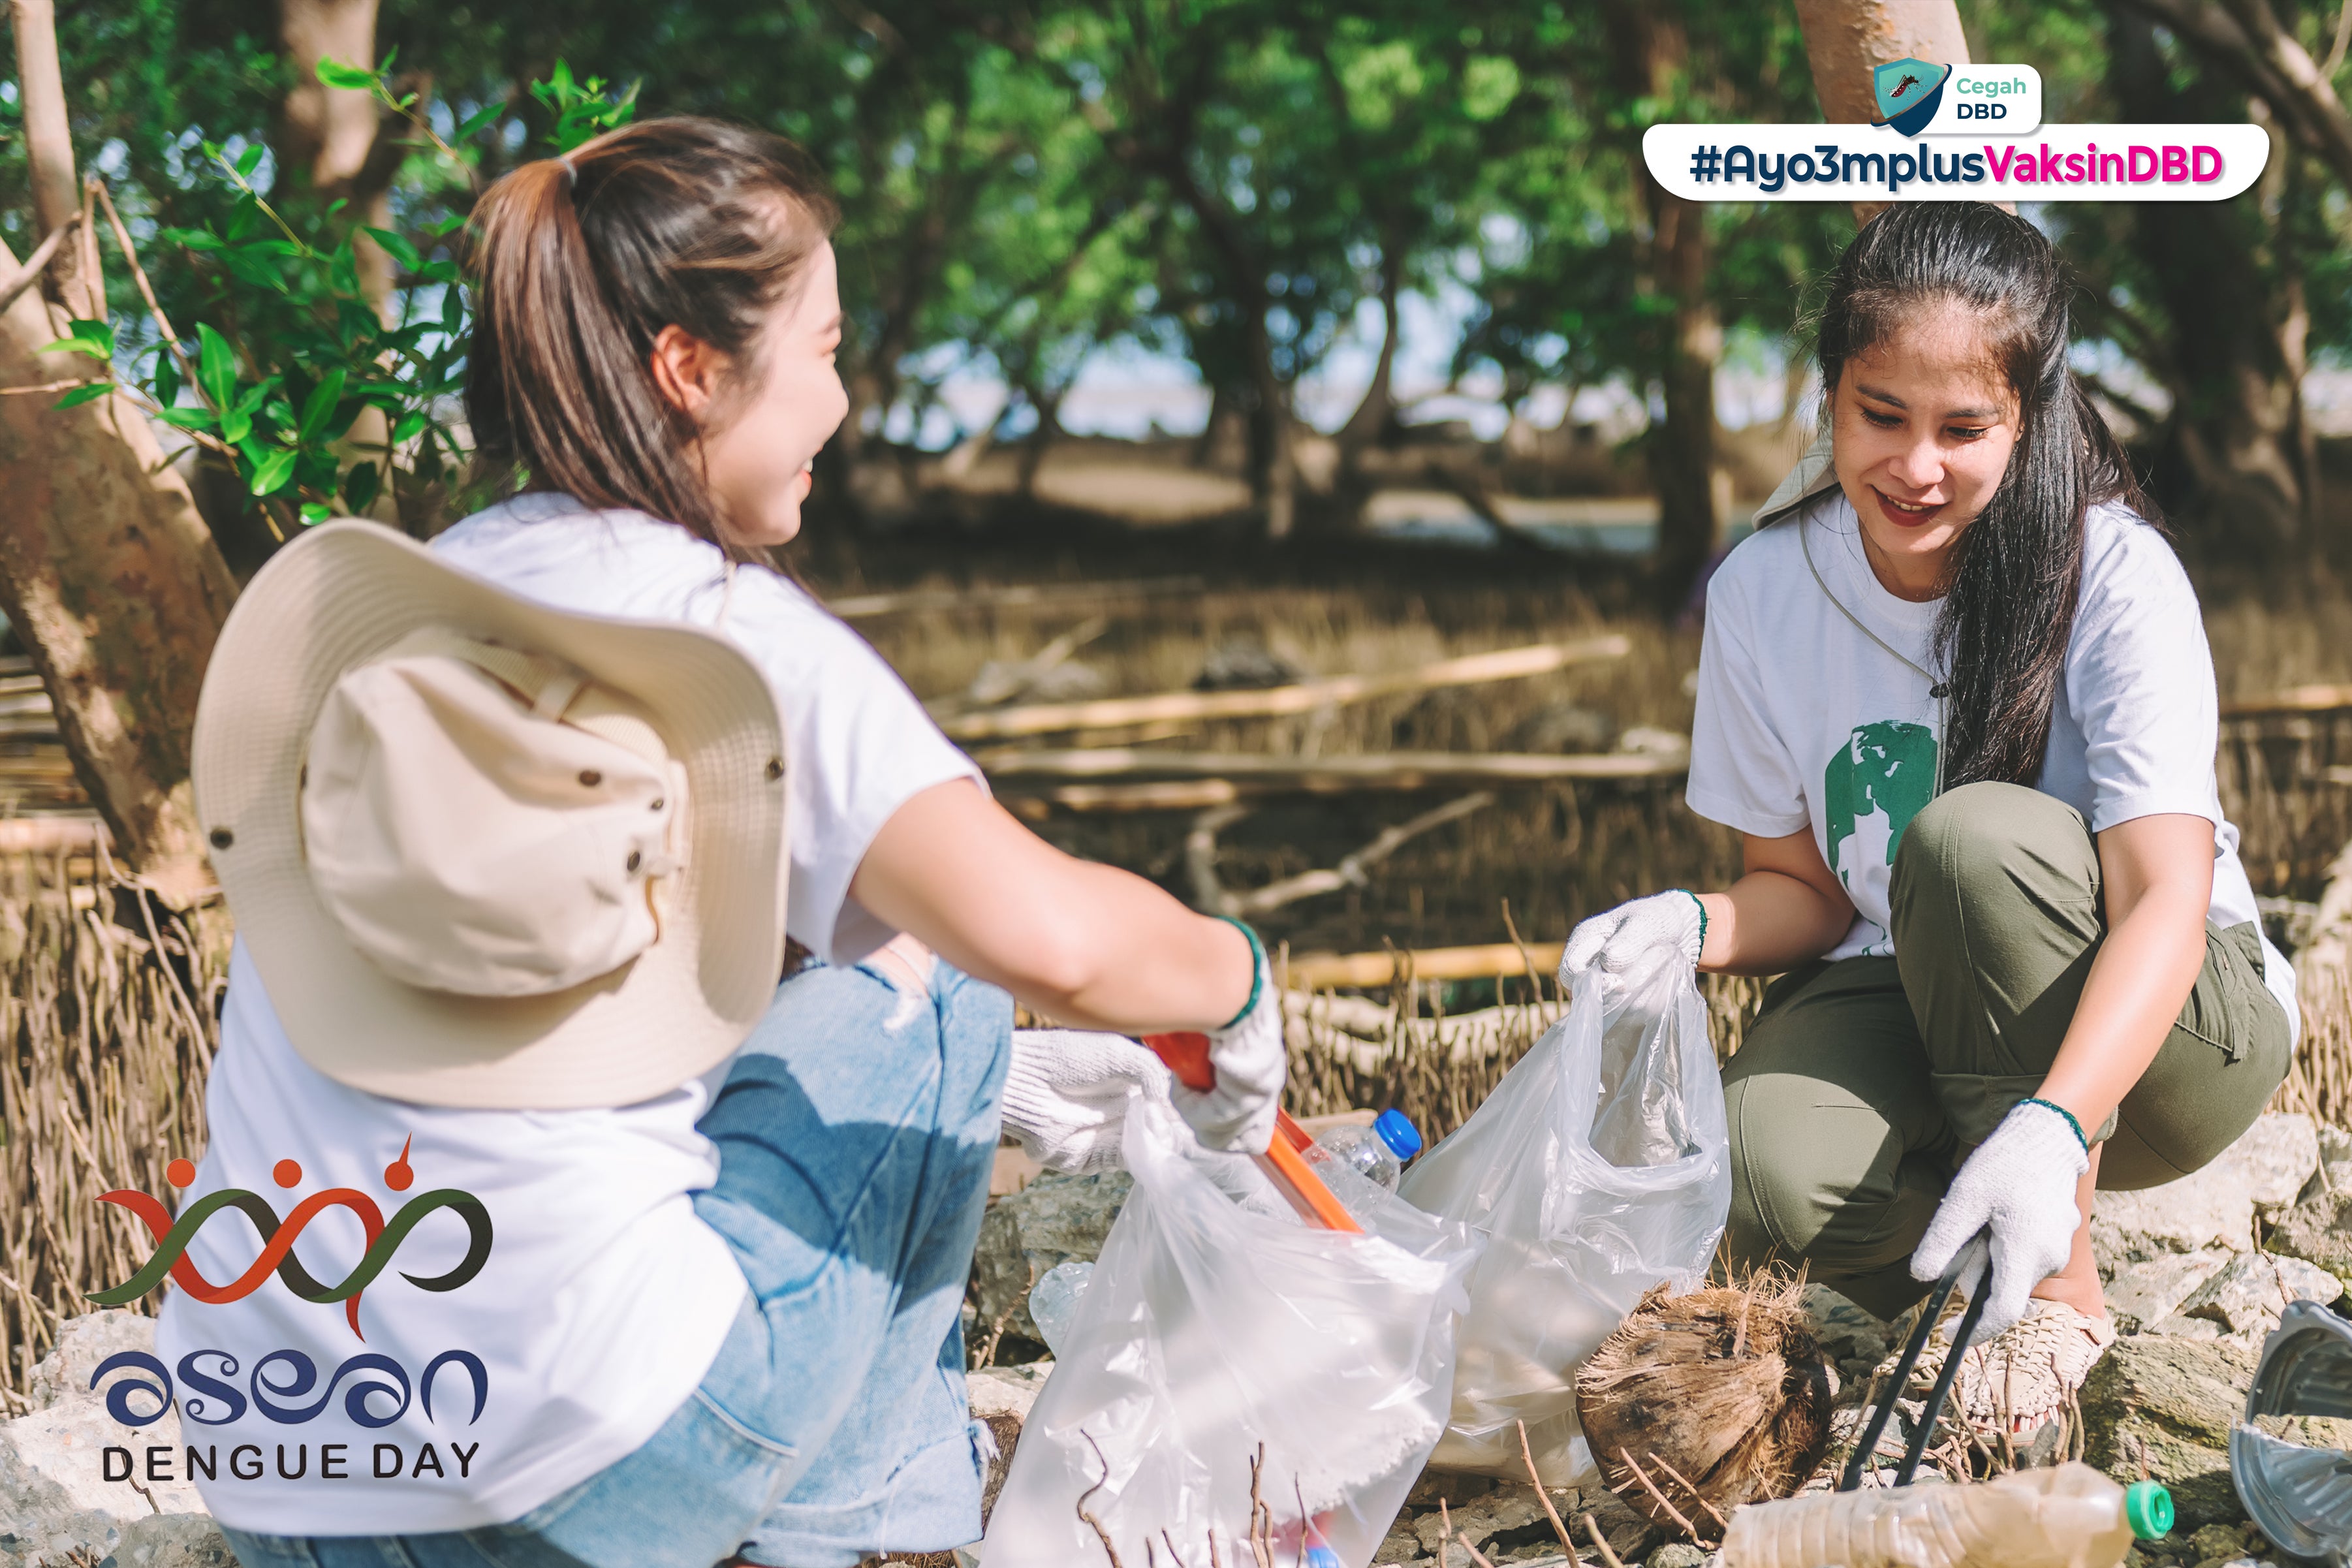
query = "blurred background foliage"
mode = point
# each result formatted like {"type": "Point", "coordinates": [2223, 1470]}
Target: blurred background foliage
{"type": "Point", "coordinates": [1228, 181]}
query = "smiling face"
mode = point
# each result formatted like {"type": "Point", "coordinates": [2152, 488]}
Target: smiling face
{"type": "Point", "coordinates": [1922, 425]}
{"type": "Point", "coordinates": [764, 420]}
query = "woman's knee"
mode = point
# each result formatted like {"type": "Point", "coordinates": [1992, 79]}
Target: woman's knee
{"type": "Point", "coordinates": [1823, 1179]}
{"type": "Point", "coordinates": [1988, 847]}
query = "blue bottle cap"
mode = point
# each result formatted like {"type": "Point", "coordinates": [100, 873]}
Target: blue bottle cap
{"type": "Point", "coordinates": [1397, 1131]}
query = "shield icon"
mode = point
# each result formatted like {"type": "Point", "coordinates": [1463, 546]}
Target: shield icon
{"type": "Point", "coordinates": [1908, 92]}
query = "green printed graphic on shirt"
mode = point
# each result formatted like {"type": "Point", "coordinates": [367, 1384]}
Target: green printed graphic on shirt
{"type": "Point", "coordinates": [1885, 770]}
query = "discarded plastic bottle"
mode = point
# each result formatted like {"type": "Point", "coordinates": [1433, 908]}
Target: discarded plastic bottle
{"type": "Point", "coordinates": [2070, 1516]}
{"type": "Point", "coordinates": [1053, 1300]}
{"type": "Point", "coordinates": [1377, 1154]}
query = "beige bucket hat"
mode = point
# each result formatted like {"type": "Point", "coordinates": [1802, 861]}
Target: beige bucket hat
{"type": "Point", "coordinates": [483, 852]}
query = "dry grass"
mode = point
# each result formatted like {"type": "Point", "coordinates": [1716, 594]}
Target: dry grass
{"type": "Point", "coordinates": [1557, 853]}
{"type": "Point", "coordinates": [106, 1007]}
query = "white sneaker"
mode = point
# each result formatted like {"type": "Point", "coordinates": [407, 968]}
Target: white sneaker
{"type": "Point", "coordinates": [2026, 1374]}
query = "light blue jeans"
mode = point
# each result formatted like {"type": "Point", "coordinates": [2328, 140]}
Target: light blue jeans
{"type": "Point", "coordinates": [855, 1134]}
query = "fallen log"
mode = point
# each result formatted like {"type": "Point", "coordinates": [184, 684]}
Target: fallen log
{"type": "Point", "coordinates": [1241, 771]}
{"type": "Point", "coordinates": [48, 835]}
{"type": "Point", "coordinates": [1362, 970]}
{"type": "Point", "coordinates": [2318, 699]}
{"type": "Point", "coordinates": [862, 606]}
{"type": "Point", "coordinates": [1273, 702]}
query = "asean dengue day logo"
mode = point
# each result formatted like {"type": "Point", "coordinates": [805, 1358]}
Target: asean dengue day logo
{"type": "Point", "coordinates": [280, 1386]}
{"type": "Point", "coordinates": [1908, 92]}
{"type": "Point", "coordinates": [171, 1237]}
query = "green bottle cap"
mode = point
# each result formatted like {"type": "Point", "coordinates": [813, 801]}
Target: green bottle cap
{"type": "Point", "coordinates": [2149, 1507]}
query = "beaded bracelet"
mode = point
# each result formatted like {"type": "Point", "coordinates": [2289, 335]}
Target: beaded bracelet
{"type": "Point", "coordinates": [1702, 919]}
{"type": "Point", "coordinates": [1258, 969]}
{"type": "Point", "coordinates": [2061, 1111]}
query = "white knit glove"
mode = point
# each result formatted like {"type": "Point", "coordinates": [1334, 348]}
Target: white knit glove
{"type": "Point", "coordinates": [1065, 1094]}
{"type": "Point", "coordinates": [1631, 943]}
{"type": "Point", "coordinates": [1251, 1062]}
{"type": "Point", "coordinates": [2020, 1183]}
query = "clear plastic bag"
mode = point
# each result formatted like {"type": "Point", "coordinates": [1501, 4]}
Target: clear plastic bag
{"type": "Point", "coordinates": [1215, 1331]}
{"type": "Point", "coordinates": [1598, 1167]}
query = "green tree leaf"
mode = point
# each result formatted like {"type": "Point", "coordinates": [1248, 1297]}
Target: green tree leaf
{"type": "Point", "coordinates": [95, 339]}
{"type": "Point", "coordinates": [318, 408]}
{"type": "Point", "coordinates": [215, 366]}
{"type": "Point", "coordinates": [398, 247]}
{"type": "Point", "coordinates": [81, 394]}
{"type": "Point", "coordinates": [359, 486]}
{"type": "Point", "coordinates": [271, 473]}
{"type": "Point", "coordinates": [352, 79]}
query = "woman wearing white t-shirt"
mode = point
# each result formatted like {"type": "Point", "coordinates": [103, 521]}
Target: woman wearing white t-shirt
{"type": "Point", "coordinates": [1955, 694]}
{"type": "Point", "coordinates": [716, 1312]}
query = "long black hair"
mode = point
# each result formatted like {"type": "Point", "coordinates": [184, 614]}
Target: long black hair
{"type": "Point", "coordinates": [2011, 588]}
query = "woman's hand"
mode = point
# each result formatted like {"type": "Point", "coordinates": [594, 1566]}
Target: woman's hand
{"type": "Point", "coordinates": [2019, 1184]}
{"type": "Point", "coordinates": [1630, 946]}
{"type": "Point", "coordinates": [1065, 1094]}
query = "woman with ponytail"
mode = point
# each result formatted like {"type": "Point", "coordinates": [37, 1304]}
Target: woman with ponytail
{"type": "Point", "coordinates": [721, 1321]}
{"type": "Point", "coordinates": [1955, 694]}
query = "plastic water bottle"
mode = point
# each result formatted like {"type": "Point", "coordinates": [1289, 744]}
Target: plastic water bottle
{"type": "Point", "coordinates": [1378, 1153]}
{"type": "Point", "coordinates": [1053, 1300]}
{"type": "Point", "coordinates": [2067, 1517]}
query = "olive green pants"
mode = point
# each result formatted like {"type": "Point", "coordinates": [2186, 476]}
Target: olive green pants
{"type": "Point", "coordinates": [1862, 1083]}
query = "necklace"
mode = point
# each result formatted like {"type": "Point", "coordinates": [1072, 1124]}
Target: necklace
{"type": "Point", "coordinates": [1936, 688]}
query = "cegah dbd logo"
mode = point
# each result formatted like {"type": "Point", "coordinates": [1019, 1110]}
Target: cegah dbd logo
{"type": "Point", "coordinates": [1920, 98]}
{"type": "Point", "coordinates": [277, 1238]}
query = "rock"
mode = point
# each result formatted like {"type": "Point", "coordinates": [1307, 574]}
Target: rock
{"type": "Point", "coordinates": [55, 1498]}
{"type": "Point", "coordinates": [82, 1344]}
{"type": "Point", "coordinates": [2145, 1293]}
{"type": "Point", "coordinates": [1452, 1487]}
{"type": "Point", "coordinates": [1677, 1554]}
{"type": "Point", "coordinates": [2335, 1172]}
{"type": "Point", "coordinates": [1054, 1219]}
{"type": "Point", "coordinates": [1482, 1519]}
{"type": "Point", "coordinates": [2318, 1230]}
{"type": "Point", "coordinates": [2247, 1296]}
{"type": "Point", "coordinates": [1565, 727]}
{"type": "Point", "coordinates": [1400, 1545]}
{"type": "Point", "coordinates": [1007, 1390]}
{"type": "Point", "coordinates": [2172, 1401]}
{"type": "Point", "coordinates": [2225, 1544]}
{"type": "Point", "coordinates": [2176, 1327]}
{"type": "Point", "coordinates": [1845, 1332]}
{"type": "Point", "coordinates": [2265, 1168]}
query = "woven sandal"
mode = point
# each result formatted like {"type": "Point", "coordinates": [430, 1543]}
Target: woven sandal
{"type": "Point", "coordinates": [2025, 1375]}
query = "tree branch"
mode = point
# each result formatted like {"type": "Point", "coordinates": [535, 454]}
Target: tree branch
{"type": "Point", "coordinates": [27, 275]}
{"type": "Point", "coordinates": [2247, 39]}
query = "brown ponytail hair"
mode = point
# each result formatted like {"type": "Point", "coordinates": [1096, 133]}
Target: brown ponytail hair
{"type": "Point", "coordinates": [581, 261]}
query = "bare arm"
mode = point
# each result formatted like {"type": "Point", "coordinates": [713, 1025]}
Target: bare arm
{"type": "Point", "coordinates": [1091, 945]}
{"type": "Point", "coordinates": [1789, 908]}
{"type": "Point", "coordinates": [2159, 876]}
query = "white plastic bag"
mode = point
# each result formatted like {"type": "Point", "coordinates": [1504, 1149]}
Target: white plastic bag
{"type": "Point", "coordinates": [1211, 1328]}
{"type": "Point", "coordinates": [1598, 1167]}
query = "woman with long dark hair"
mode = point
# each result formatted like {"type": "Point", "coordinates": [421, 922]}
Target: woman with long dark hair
{"type": "Point", "coordinates": [1956, 696]}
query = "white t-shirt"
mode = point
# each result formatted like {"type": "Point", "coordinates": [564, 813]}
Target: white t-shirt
{"type": "Point", "coordinates": [602, 1297]}
{"type": "Point", "coordinates": [1803, 721]}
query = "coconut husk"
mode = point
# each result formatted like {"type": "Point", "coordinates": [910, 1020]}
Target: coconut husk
{"type": "Point", "coordinates": [1700, 1403]}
